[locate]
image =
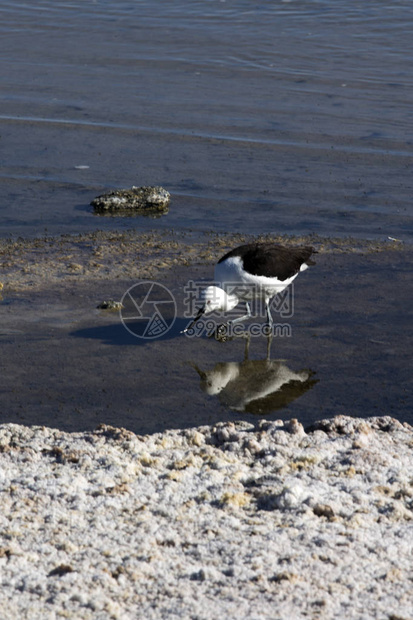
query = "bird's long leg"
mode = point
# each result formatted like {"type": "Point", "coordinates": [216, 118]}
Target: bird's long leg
{"type": "Point", "coordinates": [270, 330]}
{"type": "Point", "coordinates": [223, 328]}
{"type": "Point", "coordinates": [242, 318]}
{"type": "Point", "coordinates": [247, 347]}
{"type": "Point", "coordinates": [269, 343]}
{"type": "Point", "coordinates": [269, 317]}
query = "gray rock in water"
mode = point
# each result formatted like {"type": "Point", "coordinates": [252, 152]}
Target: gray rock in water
{"type": "Point", "coordinates": [145, 199]}
{"type": "Point", "coordinates": [110, 305]}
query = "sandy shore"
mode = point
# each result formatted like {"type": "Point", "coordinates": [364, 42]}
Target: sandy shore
{"type": "Point", "coordinates": [29, 264]}
{"type": "Point", "coordinates": [223, 521]}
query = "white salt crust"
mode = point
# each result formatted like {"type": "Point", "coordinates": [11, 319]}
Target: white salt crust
{"type": "Point", "coordinates": [229, 521]}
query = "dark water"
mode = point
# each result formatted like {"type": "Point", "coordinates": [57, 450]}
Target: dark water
{"type": "Point", "coordinates": [290, 117]}
{"type": "Point", "coordinates": [259, 117]}
{"type": "Point", "coordinates": [68, 366]}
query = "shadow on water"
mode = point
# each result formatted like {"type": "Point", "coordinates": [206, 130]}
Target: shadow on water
{"type": "Point", "coordinates": [116, 334]}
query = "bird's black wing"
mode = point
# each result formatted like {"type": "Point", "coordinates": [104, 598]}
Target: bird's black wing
{"type": "Point", "coordinates": [272, 261]}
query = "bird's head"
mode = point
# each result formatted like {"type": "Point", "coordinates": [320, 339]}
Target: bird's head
{"type": "Point", "coordinates": [213, 298]}
{"type": "Point", "coordinates": [213, 382]}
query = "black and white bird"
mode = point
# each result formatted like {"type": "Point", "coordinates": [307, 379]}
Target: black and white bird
{"type": "Point", "coordinates": [255, 271]}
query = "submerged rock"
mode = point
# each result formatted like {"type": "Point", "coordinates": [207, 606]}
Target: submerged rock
{"type": "Point", "coordinates": [145, 199]}
{"type": "Point", "coordinates": [110, 305]}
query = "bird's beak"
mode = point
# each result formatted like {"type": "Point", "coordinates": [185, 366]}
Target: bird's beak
{"type": "Point", "coordinates": [196, 318]}
{"type": "Point", "coordinates": [201, 373]}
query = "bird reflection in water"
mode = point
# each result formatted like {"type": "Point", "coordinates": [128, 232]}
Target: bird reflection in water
{"type": "Point", "coordinates": [255, 386]}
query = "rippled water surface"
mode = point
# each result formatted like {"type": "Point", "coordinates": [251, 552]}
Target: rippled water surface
{"type": "Point", "coordinates": [290, 117]}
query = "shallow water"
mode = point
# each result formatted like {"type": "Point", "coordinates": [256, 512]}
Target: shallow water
{"type": "Point", "coordinates": [287, 117]}
{"type": "Point", "coordinates": [67, 365]}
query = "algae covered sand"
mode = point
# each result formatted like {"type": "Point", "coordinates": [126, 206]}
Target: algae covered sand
{"type": "Point", "coordinates": [42, 261]}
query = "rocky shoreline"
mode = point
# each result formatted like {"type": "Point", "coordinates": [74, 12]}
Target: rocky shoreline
{"type": "Point", "coordinates": [230, 520]}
